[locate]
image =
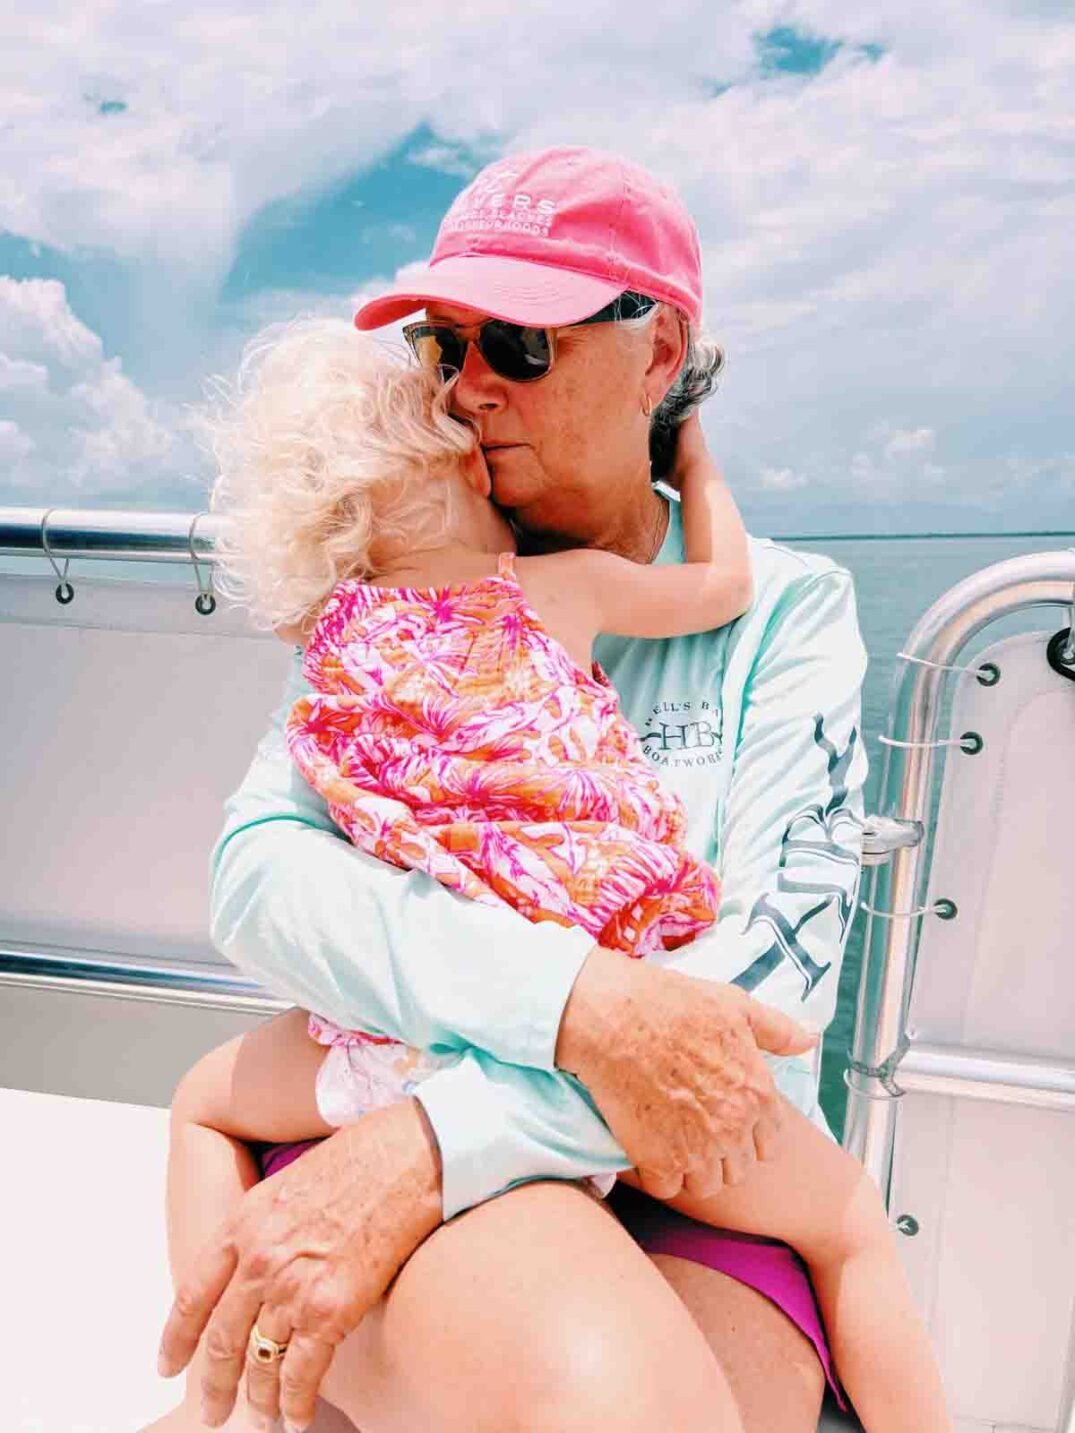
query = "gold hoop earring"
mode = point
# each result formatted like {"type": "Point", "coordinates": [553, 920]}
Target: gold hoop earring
{"type": "Point", "coordinates": [646, 405]}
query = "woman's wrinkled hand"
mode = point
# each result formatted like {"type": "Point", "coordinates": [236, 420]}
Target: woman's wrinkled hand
{"type": "Point", "coordinates": [305, 1256]}
{"type": "Point", "coordinates": [675, 1065]}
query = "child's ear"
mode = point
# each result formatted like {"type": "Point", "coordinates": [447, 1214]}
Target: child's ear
{"type": "Point", "coordinates": [476, 472]}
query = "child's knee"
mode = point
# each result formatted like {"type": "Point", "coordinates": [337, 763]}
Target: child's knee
{"type": "Point", "coordinates": [197, 1096]}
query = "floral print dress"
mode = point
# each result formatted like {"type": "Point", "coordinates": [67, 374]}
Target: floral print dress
{"type": "Point", "coordinates": [449, 732]}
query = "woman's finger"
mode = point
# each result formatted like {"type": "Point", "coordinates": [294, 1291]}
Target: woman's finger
{"type": "Point", "coordinates": [305, 1365]}
{"type": "Point", "coordinates": [263, 1379]}
{"type": "Point", "coordinates": [703, 1184]}
{"type": "Point", "coordinates": [659, 1185]}
{"type": "Point", "coordinates": [194, 1301]}
{"type": "Point", "coordinates": [768, 1134]}
{"type": "Point", "coordinates": [226, 1337]}
{"type": "Point", "coordinates": [738, 1163]}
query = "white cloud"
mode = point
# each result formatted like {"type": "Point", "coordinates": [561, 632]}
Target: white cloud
{"type": "Point", "coordinates": [71, 421]}
{"type": "Point", "coordinates": [18, 373]}
{"type": "Point", "coordinates": [882, 238]}
{"type": "Point", "coordinates": [448, 159]}
{"type": "Point", "coordinates": [35, 320]}
{"type": "Point", "coordinates": [14, 443]}
{"type": "Point", "coordinates": [782, 480]}
{"type": "Point", "coordinates": [909, 440]}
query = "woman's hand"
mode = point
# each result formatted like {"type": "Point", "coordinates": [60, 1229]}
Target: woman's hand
{"type": "Point", "coordinates": [675, 1066]}
{"type": "Point", "coordinates": [306, 1255]}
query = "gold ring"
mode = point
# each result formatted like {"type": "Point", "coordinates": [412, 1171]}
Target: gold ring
{"type": "Point", "coordinates": [264, 1350]}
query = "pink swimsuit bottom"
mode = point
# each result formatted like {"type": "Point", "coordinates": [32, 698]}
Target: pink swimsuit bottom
{"type": "Point", "coordinates": [768, 1265]}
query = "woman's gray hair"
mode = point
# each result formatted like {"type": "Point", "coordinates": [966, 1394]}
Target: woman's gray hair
{"type": "Point", "coordinates": [694, 383]}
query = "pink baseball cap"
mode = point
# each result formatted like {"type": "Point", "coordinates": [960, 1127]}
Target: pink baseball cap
{"type": "Point", "coordinates": [550, 238]}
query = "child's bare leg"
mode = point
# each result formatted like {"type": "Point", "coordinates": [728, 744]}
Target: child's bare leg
{"type": "Point", "coordinates": [265, 1077]}
{"type": "Point", "coordinates": [820, 1200]}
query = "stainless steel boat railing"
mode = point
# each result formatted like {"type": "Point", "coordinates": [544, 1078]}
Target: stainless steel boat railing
{"type": "Point", "coordinates": [129, 978]}
{"type": "Point", "coordinates": [129, 533]}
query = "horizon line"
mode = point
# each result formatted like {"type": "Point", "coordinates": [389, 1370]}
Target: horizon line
{"type": "Point", "coordinates": [909, 536]}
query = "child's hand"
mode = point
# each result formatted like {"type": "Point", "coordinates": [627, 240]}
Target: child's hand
{"type": "Point", "coordinates": [690, 449]}
{"type": "Point", "coordinates": [476, 472]}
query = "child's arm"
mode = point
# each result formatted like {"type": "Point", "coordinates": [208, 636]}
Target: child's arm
{"type": "Point", "coordinates": [713, 532]}
{"type": "Point", "coordinates": [819, 1199]}
{"type": "Point", "coordinates": [714, 584]}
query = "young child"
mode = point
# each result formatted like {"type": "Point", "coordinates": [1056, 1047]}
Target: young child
{"type": "Point", "coordinates": [459, 726]}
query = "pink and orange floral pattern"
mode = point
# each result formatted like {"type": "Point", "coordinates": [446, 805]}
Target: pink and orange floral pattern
{"type": "Point", "coordinates": [449, 732]}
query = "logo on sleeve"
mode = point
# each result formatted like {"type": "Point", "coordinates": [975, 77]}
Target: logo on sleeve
{"type": "Point", "coordinates": [687, 733]}
{"type": "Point", "coordinates": [817, 879]}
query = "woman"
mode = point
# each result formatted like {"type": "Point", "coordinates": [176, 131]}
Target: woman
{"type": "Point", "coordinates": [534, 1310]}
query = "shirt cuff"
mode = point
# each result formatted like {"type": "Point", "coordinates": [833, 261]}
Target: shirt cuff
{"type": "Point", "coordinates": [498, 1126]}
{"type": "Point", "coordinates": [556, 954]}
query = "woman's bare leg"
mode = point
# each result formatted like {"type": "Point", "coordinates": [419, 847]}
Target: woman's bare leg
{"type": "Point", "coordinates": [771, 1366]}
{"type": "Point", "coordinates": [535, 1311]}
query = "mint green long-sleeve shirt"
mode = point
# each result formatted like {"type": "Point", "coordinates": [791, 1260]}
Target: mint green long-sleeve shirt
{"type": "Point", "coordinates": [756, 725]}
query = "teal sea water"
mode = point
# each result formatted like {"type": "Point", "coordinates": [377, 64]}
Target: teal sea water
{"type": "Point", "coordinates": [896, 580]}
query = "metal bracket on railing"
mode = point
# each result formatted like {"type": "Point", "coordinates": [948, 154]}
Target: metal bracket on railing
{"type": "Point", "coordinates": [65, 593]}
{"type": "Point", "coordinates": [884, 1073]}
{"type": "Point", "coordinates": [881, 835]}
{"type": "Point", "coordinates": [205, 602]}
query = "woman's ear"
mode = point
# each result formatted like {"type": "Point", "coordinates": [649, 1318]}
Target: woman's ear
{"type": "Point", "coordinates": [668, 351]}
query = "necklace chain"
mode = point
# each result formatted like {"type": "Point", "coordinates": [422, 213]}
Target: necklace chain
{"type": "Point", "coordinates": [658, 528]}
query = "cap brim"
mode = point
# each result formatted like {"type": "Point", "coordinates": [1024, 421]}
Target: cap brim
{"type": "Point", "coordinates": [538, 295]}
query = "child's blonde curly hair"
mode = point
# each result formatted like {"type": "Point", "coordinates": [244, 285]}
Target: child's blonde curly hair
{"type": "Point", "coordinates": [329, 448]}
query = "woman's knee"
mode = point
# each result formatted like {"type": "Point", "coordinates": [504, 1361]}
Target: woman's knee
{"type": "Point", "coordinates": [537, 1311]}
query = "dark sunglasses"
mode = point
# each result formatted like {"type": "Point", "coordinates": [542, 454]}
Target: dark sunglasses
{"type": "Point", "coordinates": [511, 350]}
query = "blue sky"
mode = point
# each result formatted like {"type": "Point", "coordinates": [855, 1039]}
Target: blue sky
{"type": "Point", "coordinates": [885, 203]}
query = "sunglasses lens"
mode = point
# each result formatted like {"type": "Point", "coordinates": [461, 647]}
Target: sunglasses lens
{"type": "Point", "coordinates": [516, 353]}
{"type": "Point", "coordinates": [436, 347]}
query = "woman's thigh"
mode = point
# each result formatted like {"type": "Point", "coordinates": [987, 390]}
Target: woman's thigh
{"type": "Point", "coordinates": [772, 1368]}
{"type": "Point", "coordinates": [534, 1311]}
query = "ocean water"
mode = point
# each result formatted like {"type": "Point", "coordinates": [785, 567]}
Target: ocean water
{"type": "Point", "coordinates": [896, 580]}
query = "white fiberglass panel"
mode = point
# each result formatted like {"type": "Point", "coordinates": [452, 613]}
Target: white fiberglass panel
{"type": "Point", "coordinates": [128, 720]}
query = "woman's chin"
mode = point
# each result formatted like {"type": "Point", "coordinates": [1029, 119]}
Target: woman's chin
{"type": "Point", "coordinates": [514, 495]}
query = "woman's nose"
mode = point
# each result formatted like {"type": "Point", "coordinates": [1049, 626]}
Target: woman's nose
{"type": "Point", "coordinates": [478, 389]}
